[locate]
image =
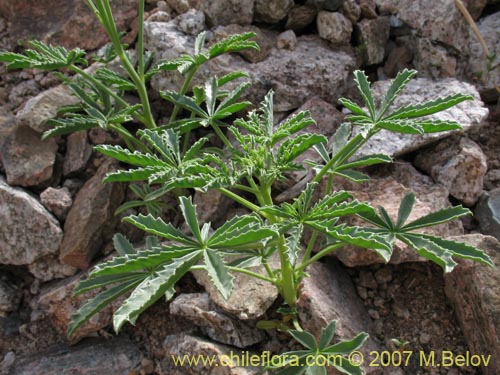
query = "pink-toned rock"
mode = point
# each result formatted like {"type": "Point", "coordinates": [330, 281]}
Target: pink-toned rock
{"type": "Point", "coordinates": [57, 201]}
{"type": "Point", "coordinates": [68, 23]}
{"type": "Point", "coordinates": [78, 152]}
{"type": "Point", "coordinates": [28, 161]}
{"type": "Point", "coordinates": [91, 219]}
{"type": "Point", "coordinates": [328, 294]}
{"type": "Point", "coordinates": [474, 291]}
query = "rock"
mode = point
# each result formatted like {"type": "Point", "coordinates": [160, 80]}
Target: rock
{"type": "Point", "coordinates": [250, 298]}
{"type": "Point", "coordinates": [473, 290]}
{"type": "Point", "coordinates": [492, 179]}
{"type": "Point", "coordinates": [383, 276]}
{"type": "Point", "coordinates": [118, 356]}
{"type": "Point", "coordinates": [399, 57]}
{"type": "Point", "coordinates": [441, 22]}
{"type": "Point", "coordinates": [211, 206]}
{"type": "Point", "coordinates": [57, 201]}
{"type": "Point", "coordinates": [7, 127]}
{"type": "Point", "coordinates": [300, 16]}
{"type": "Point", "coordinates": [334, 27]}
{"type": "Point", "coordinates": [328, 294]}
{"type": "Point", "coordinates": [264, 39]}
{"type": "Point", "coordinates": [433, 61]}
{"type": "Point", "coordinates": [225, 12]}
{"type": "Point", "coordinates": [10, 296]}
{"type": "Point", "coordinates": [159, 16]}
{"type": "Point", "coordinates": [43, 107]}
{"type": "Point", "coordinates": [180, 6]}
{"type": "Point", "coordinates": [329, 5]}
{"type": "Point", "coordinates": [458, 164]}
{"type": "Point", "coordinates": [8, 361]}
{"type": "Point", "coordinates": [388, 191]}
{"type": "Point", "coordinates": [487, 79]}
{"type": "Point", "coordinates": [488, 213]}
{"type": "Point", "coordinates": [351, 10]}
{"type": "Point", "coordinates": [27, 231]}
{"type": "Point", "coordinates": [272, 11]}
{"type": "Point", "coordinates": [69, 22]}
{"type": "Point", "coordinates": [56, 301]}
{"type": "Point", "coordinates": [373, 36]}
{"type": "Point", "coordinates": [49, 268]}
{"type": "Point", "coordinates": [368, 9]}
{"type": "Point", "coordinates": [192, 22]}
{"type": "Point", "coordinates": [78, 152]}
{"type": "Point", "coordinates": [91, 219]}
{"type": "Point", "coordinates": [28, 161]}
{"type": "Point", "coordinates": [199, 309]}
{"type": "Point", "coordinates": [475, 7]}
{"type": "Point", "coordinates": [293, 83]}
{"type": "Point", "coordinates": [470, 113]}
{"type": "Point", "coordinates": [287, 40]}
{"type": "Point", "coordinates": [182, 344]}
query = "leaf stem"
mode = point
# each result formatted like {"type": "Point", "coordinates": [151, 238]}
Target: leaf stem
{"type": "Point", "coordinates": [320, 254]}
{"type": "Point", "coordinates": [251, 273]}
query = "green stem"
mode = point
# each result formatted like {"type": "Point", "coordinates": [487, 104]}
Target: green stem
{"type": "Point", "coordinates": [221, 135]}
{"type": "Point", "coordinates": [320, 254]}
{"type": "Point", "coordinates": [184, 89]}
{"type": "Point", "coordinates": [244, 202]}
{"type": "Point", "coordinates": [140, 41]}
{"type": "Point", "coordinates": [296, 324]}
{"type": "Point", "coordinates": [251, 273]}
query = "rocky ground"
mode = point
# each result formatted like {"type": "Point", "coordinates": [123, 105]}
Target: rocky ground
{"type": "Point", "coordinates": [56, 217]}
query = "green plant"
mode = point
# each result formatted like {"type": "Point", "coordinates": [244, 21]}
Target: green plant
{"type": "Point", "coordinates": [166, 161]}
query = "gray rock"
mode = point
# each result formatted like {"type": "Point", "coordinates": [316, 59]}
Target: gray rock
{"type": "Point", "coordinates": [474, 292]}
{"type": "Point", "coordinates": [488, 213]}
{"type": "Point", "coordinates": [272, 11]}
{"type": "Point", "coordinates": [470, 113]}
{"type": "Point", "coordinates": [487, 80]}
{"type": "Point", "coordinates": [7, 126]}
{"type": "Point", "coordinates": [199, 309]}
{"type": "Point", "coordinates": [373, 36]}
{"type": "Point", "coordinates": [91, 219]}
{"type": "Point", "coordinates": [334, 27]}
{"type": "Point", "coordinates": [439, 21]}
{"type": "Point", "coordinates": [96, 357]}
{"type": "Point", "coordinates": [211, 206]}
{"type": "Point", "coordinates": [434, 61]}
{"type": "Point", "coordinates": [78, 152]}
{"type": "Point", "coordinates": [192, 22]}
{"type": "Point", "coordinates": [287, 40]}
{"type": "Point", "coordinates": [300, 17]}
{"type": "Point", "coordinates": [180, 6]}
{"type": "Point", "coordinates": [10, 296]}
{"type": "Point", "coordinates": [351, 10]}
{"type": "Point", "coordinates": [388, 191]}
{"type": "Point", "coordinates": [329, 5]}
{"type": "Point", "coordinates": [28, 161]}
{"type": "Point", "coordinates": [250, 298]}
{"type": "Point", "coordinates": [328, 294]}
{"type": "Point", "coordinates": [292, 82]}
{"type": "Point", "coordinates": [27, 231]}
{"type": "Point", "coordinates": [57, 201]}
{"type": "Point", "coordinates": [182, 344]}
{"type": "Point", "coordinates": [225, 12]}
{"type": "Point", "coordinates": [458, 164]}
{"type": "Point", "coordinates": [49, 268]}
{"type": "Point", "coordinates": [43, 107]}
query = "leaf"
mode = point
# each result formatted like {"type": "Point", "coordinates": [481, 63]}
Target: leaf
{"type": "Point", "coordinates": [114, 79]}
{"type": "Point", "coordinates": [428, 108]}
{"type": "Point", "coordinates": [347, 368]}
{"type": "Point", "coordinates": [233, 43]}
{"type": "Point", "coordinates": [351, 175]}
{"type": "Point", "coordinates": [199, 42]}
{"type": "Point", "coordinates": [401, 126]}
{"type": "Point", "coordinates": [240, 230]}
{"type": "Point", "coordinates": [438, 217]}
{"type": "Point", "coordinates": [367, 160]}
{"type": "Point", "coordinates": [139, 174]}
{"type": "Point", "coordinates": [158, 227]}
{"type": "Point", "coordinates": [122, 245]}
{"type": "Point", "coordinates": [304, 338]}
{"type": "Point", "coordinates": [218, 273]}
{"type": "Point", "coordinates": [353, 107]}
{"type": "Point", "coordinates": [430, 250]}
{"type": "Point", "coordinates": [293, 243]}
{"type": "Point", "coordinates": [341, 137]}
{"type": "Point", "coordinates": [134, 158]}
{"type": "Point", "coordinates": [346, 347]}
{"type": "Point", "coordinates": [363, 86]}
{"type": "Point", "coordinates": [99, 302]}
{"type": "Point", "coordinates": [104, 280]}
{"type": "Point", "coordinates": [327, 334]}
{"type": "Point", "coordinates": [401, 80]}
{"type": "Point", "coordinates": [183, 102]}
{"type": "Point", "coordinates": [69, 125]}
{"type": "Point", "coordinates": [292, 148]}
{"type": "Point", "coordinates": [405, 209]}
{"type": "Point", "coordinates": [152, 289]}
{"type": "Point", "coordinates": [189, 213]}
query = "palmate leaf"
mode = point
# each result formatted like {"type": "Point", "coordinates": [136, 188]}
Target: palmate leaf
{"type": "Point", "coordinates": [158, 227]}
{"type": "Point", "coordinates": [69, 125]}
{"type": "Point", "coordinates": [405, 209]}
{"type": "Point", "coordinates": [361, 81]}
{"type": "Point", "coordinates": [153, 288]}
{"type": "Point", "coordinates": [292, 125]}
{"type": "Point", "coordinates": [184, 102]}
{"type": "Point", "coordinates": [292, 148]}
{"type": "Point", "coordinates": [398, 84]}
{"type": "Point", "coordinates": [122, 245]}
{"type": "Point", "coordinates": [233, 43]}
{"type": "Point", "coordinates": [103, 280]}
{"type": "Point", "coordinates": [438, 217]}
{"type": "Point", "coordinates": [240, 230]}
{"type": "Point", "coordinates": [189, 212]}
{"type": "Point", "coordinates": [135, 158]}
